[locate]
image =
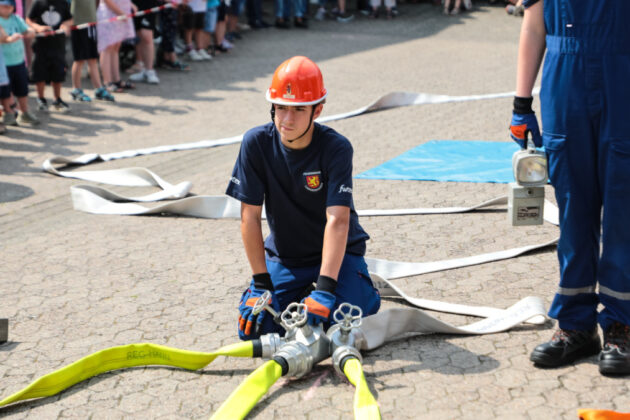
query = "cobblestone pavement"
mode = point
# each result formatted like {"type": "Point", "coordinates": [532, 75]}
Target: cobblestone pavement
{"type": "Point", "coordinates": [74, 283]}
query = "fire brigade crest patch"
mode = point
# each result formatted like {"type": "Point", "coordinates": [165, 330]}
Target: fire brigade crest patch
{"type": "Point", "coordinates": [312, 181]}
{"type": "Point", "coordinates": [288, 94]}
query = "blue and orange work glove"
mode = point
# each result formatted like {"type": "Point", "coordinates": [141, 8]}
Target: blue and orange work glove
{"type": "Point", "coordinates": [524, 122]}
{"type": "Point", "coordinates": [249, 324]}
{"type": "Point", "coordinates": [321, 301]}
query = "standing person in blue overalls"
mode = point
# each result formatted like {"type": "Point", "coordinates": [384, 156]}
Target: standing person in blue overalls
{"type": "Point", "coordinates": [302, 172]}
{"type": "Point", "coordinates": [586, 134]}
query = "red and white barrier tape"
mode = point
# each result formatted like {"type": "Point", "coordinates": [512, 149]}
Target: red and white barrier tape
{"type": "Point", "coordinates": [139, 13]}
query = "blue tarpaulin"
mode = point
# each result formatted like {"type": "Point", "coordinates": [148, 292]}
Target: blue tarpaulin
{"type": "Point", "coordinates": [450, 160]}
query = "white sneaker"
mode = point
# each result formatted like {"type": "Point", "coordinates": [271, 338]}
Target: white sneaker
{"type": "Point", "coordinates": [151, 77]}
{"type": "Point", "coordinates": [194, 55]}
{"type": "Point", "coordinates": [138, 77]}
{"type": "Point", "coordinates": [227, 44]}
{"type": "Point", "coordinates": [204, 55]}
{"type": "Point", "coordinates": [467, 4]}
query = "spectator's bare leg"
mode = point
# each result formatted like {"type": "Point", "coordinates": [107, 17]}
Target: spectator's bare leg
{"type": "Point", "coordinates": [139, 55]}
{"type": "Point", "coordinates": [374, 4]}
{"type": "Point", "coordinates": [39, 86]}
{"type": "Point", "coordinates": [188, 36]}
{"type": "Point", "coordinates": [219, 32]}
{"type": "Point", "coordinates": [170, 56]}
{"type": "Point", "coordinates": [106, 65]}
{"type": "Point", "coordinates": [200, 39]}
{"type": "Point", "coordinates": [56, 89]}
{"type": "Point", "coordinates": [23, 101]}
{"type": "Point", "coordinates": [231, 23]}
{"type": "Point", "coordinates": [115, 62]}
{"type": "Point", "coordinates": [95, 76]}
{"type": "Point", "coordinates": [110, 64]}
{"type": "Point", "coordinates": [77, 66]}
{"type": "Point", "coordinates": [342, 6]}
{"type": "Point", "coordinates": [6, 104]}
{"type": "Point", "coordinates": [147, 47]}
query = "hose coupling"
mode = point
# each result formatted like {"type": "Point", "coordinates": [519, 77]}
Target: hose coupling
{"type": "Point", "coordinates": [296, 357]}
{"type": "Point", "coordinates": [342, 354]}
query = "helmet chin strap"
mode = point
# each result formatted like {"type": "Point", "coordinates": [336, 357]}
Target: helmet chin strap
{"type": "Point", "coordinates": [273, 117]}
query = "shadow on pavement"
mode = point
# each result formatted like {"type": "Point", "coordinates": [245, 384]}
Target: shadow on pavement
{"type": "Point", "coordinates": [13, 192]}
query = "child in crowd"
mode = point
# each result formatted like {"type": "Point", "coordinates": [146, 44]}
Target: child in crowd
{"type": "Point", "coordinates": [49, 62]}
{"type": "Point", "coordinates": [233, 11]}
{"type": "Point", "coordinates": [210, 22]}
{"type": "Point", "coordinates": [84, 50]}
{"type": "Point", "coordinates": [109, 37]}
{"type": "Point", "coordinates": [13, 54]}
{"type": "Point", "coordinates": [197, 51]}
{"type": "Point", "coordinates": [145, 49]}
{"type": "Point", "coordinates": [220, 43]}
{"type": "Point", "coordinates": [168, 19]}
{"type": "Point", "coordinates": [4, 77]}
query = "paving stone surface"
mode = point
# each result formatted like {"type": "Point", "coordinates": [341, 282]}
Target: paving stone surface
{"type": "Point", "coordinates": [73, 283]}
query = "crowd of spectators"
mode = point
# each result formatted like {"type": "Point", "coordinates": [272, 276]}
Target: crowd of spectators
{"type": "Point", "coordinates": [34, 34]}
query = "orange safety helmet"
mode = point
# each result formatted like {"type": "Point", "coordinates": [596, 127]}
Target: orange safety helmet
{"type": "Point", "coordinates": [297, 81]}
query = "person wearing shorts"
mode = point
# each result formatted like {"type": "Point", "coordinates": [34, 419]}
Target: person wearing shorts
{"type": "Point", "coordinates": [210, 21]}
{"type": "Point", "coordinates": [84, 50]}
{"type": "Point", "coordinates": [220, 43]}
{"type": "Point", "coordinates": [234, 9]}
{"type": "Point", "coordinates": [15, 30]}
{"type": "Point", "coordinates": [196, 24]}
{"type": "Point", "coordinates": [49, 61]}
{"type": "Point", "coordinates": [145, 49]}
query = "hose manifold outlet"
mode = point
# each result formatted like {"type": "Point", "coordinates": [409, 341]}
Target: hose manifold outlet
{"type": "Point", "coordinates": [343, 353]}
{"type": "Point", "coordinates": [270, 344]}
{"type": "Point", "coordinates": [298, 358]}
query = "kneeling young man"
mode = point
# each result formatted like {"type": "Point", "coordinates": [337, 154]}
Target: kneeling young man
{"type": "Point", "coordinates": [302, 172]}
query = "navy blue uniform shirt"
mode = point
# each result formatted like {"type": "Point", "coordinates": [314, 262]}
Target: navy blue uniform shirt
{"type": "Point", "coordinates": [528, 3]}
{"type": "Point", "coordinates": [296, 187]}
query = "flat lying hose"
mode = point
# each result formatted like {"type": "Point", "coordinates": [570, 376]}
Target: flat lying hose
{"type": "Point", "coordinates": [123, 357]}
{"type": "Point", "coordinates": [249, 392]}
{"type": "Point", "coordinates": [365, 405]}
{"type": "Point", "coordinates": [388, 101]}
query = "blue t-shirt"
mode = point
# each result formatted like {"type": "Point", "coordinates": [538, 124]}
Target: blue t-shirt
{"type": "Point", "coordinates": [296, 187]}
{"type": "Point", "coordinates": [13, 51]}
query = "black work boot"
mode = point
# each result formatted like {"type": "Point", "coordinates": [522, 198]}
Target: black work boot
{"type": "Point", "coordinates": [615, 357]}
{"type": "Point", "coordinates": [566, 346]}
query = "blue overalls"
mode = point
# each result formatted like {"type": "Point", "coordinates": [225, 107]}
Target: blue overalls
{"type": "Point", "coordinates": [585, 108]}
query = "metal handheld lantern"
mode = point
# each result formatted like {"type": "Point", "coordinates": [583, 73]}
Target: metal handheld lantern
{"type": "Point", "coordinates": [526, 196]}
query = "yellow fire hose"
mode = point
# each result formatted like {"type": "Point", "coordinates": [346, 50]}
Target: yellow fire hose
{"type": "Point", "coordinates": [123, 357]}
{"type": "Point", "coordinates": [245, 397]}
{"type": "Point", "coordinates": [365, 406]}
{"type": "Point", "coordinates": [591, 414]}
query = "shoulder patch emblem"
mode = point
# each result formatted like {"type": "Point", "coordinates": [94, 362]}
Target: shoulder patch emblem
{"type": "Point", "coordinates": [312, 181]}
